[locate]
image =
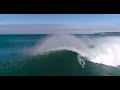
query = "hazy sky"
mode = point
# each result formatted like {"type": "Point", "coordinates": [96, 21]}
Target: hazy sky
{"type": "Point", "coordinates": [84, 22]}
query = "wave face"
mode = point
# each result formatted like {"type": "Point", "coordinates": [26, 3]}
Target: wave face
{"type": "Point", "coordinates": [102, 50]}
{"type": "Point", "coordinates": [59, 55]}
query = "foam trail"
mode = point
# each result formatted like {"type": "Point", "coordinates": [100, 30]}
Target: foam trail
{"type": "Point", "coordinates": [103, 50]}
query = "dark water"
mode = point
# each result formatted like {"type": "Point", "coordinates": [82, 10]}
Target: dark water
{"type": "Point", "coordinates": [15, 60]}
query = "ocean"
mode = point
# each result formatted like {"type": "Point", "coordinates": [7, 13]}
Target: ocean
{"type": "Point", "coordinates": [60, 54]}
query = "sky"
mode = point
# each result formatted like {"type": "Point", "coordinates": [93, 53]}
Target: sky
{"type": "Point", "coordinates": [74, 23]}
{"type": "Point", "coordinates": [58, 18]}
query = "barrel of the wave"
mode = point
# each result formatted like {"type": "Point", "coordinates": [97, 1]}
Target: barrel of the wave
{"type": "Point", "coordinates": [81, 61]}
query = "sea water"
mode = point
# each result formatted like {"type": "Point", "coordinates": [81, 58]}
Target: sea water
{"type": "Point", "coordinates": [57, 55]}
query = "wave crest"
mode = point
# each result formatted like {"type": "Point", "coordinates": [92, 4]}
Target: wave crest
{"type": "Point", "coordinates": [103, 50]}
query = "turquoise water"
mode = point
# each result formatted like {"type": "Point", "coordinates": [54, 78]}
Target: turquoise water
{"type": "Point", "coordinates": [16, 59]}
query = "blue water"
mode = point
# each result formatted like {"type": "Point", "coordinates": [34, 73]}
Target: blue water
{"type": "Point", "coordinates": [16, 59]}
{"type": "Point", "coordinates": [13, 46]}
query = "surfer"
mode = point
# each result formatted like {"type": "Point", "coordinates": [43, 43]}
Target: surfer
{"type": "Point", "coordinates": [81, 61]}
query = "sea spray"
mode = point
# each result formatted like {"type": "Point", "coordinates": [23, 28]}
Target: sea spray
{"type": "Point", "coordinates": [102, 50]}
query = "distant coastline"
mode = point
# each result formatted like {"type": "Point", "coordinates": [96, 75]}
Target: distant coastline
{"type": "Point", "coordinates": [107, 33]}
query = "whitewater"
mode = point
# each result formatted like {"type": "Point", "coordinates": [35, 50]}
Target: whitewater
{"type": "Point", "coordinates": [102, 50]}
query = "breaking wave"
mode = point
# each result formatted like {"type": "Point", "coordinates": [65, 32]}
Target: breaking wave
{"type": "Point", "coordinates": [102, 50]}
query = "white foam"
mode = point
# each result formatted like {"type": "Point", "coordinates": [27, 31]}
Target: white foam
{"type": "Point", "coordinates": [105, 50]}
